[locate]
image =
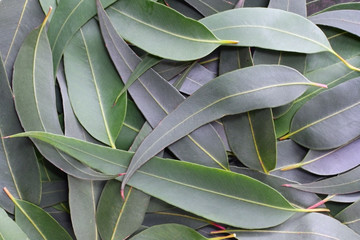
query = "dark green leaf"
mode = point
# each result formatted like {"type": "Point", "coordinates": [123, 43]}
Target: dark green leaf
{"type": "Point", "coordinates": [177, 31]}
{"type": "Point", "coordinates": [252, 86]}
{"type": "Point", "coordinates": [53, 192]}
{"type": "Point", "coordinates": [125, 216]}
{"type": "Point", "coordinates": [20, 170]}
{"type": "Point", "coordinates": [237, 196]}
{"type": "Point", "coordinates": [93, 84]}
{"type": "Point", "coordinates": [155, 98]}
{"type": "Point", "coordinates": [330, 119]}
{"type": "Point", "coordinates": [36, 223]}
{"type": "Point", "coordinates": [9, 230]}
{"type": "Point", "coordinates": [209, 7]}
{"type": "Point", "coordinates": [296, 33]}
{"type": "Point", "coordinates": [169, 231]}
{"type": "Point", "coordinates": [17, 20]}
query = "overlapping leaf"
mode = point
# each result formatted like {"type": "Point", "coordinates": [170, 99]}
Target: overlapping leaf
{"type": "Point", "coordinates": [9, 230]}
{"type": "Point", "coordinates": [155, 98]}
{"type": "Point", "coordinates": [209, 7]}
{"type": "Point", "coordinates": [241, 205]}
{"type": "Point", "coordinates": [254, 87]}
{"type": "Point", "coordinates": [350, 216]}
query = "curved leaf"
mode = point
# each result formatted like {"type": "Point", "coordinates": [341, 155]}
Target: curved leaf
{"type": "Point", "coordinates": [34, 90]}
{"type": "Point", "coordinates": [342, 184]}
{"type": "Point", "coordinates": [296, 33]}
{"type": "Point", "coordinates": [298, 7]}
{"type": "Point", "coordinates": [9, 230]}
{"type": "Point", "coordinates": [125, 216]}
{"type": "Point", "coordinates": [17, 20]}
{"type": "Point", "coordinates": [93, 84]}
{"type": "Point", "coordinates": [255, 87]}
{"type": "Point", "coordinates": [155, 98]}
{"type": "Point", "coordinates": [350, 216]}
{"type": "Point", "coordinates": [68, 18]}
{"type": "Point", "coordinates": [209, 7]}
{"type": "Point", "coordinates": [348, 20]}
{"type": "Point", "coordinates": [20, 169]}
{"type": "Point", "coordinates": [218, 195]}
{"type": "Point", "coordinates": [144, 20]}
{"type": "Point", "coordinates": [330, 119]}
{"type": "Point", "coordinates": [37, 223]}
{"type": "Point", "coordinates": [169, 231]}
{"type": "Point", "coordinates": [312, 226]}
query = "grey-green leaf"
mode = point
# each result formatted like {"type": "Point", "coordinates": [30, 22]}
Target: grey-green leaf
{"type": "Point", "coordinates": [9, 230]}
{"type": "Point", "coordinates": [350, 216]}
{"type": "Point", "coordinates": [93, 84]}
{"type": "Point", "coordinates": [255, 87]}
{"type": "Point", "coordinates": [20, 170]}
{"type": "Point", "coordinates": [268, 29]}
{"type": "Point", "coordinates": [330, 119]}
{"type": "Point", "coordinates": [209, 7]}
{"type": "Point", "coordinates": [146, 28]}
{"type": "Point", "coordinates": [174, 181]}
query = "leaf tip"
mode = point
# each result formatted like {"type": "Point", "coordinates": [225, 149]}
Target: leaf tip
{"type": "Point", "coordinates": [229, 41]}
{"type": "Point", "coordinates": [122, 193]}
{"type": "Point", "coordinates": [320, 85]}
{"type": "Point", "coordinates": [8, 193]}
{"type": "Point", "coordinates": [291, 167]}
{"type": "Point", "coordinates": [286, 185]}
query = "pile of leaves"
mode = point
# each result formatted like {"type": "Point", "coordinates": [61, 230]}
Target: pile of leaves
{"type": "Point", "coordinates": [139, 119]}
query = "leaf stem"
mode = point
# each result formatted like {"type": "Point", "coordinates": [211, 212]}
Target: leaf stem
{"type": "Point", "coordinates": [321, 202]}
{"type": "Point", "coordinates": [8, 193]}
{"type": "Point", "coordinates": [224, 237]}
{"type": "Point", "coordinates": [345, 62]}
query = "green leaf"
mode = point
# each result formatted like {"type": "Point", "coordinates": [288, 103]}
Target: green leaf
{"type": "Point", "coordinates": [125, 216]}
{"type": "Point", "coordinates": [209, 7]}
{"type": "Point", "coordinates": [342, 184]}
{"type": "Point", "coordinates": [313, 226]}
{"type": "Point", "coordinates": [169, 231]}
{"type": "Point", "coordinates": [230, 198]}
{"type": "Point", "coordinates": [330, 119]}
{"type": "Point", "coordinates": [34, 90]}
{"type": "Point", "coordinates": [93, 85]}
{"type": "Point", "coordinates": [46, 4]}
{"type": "Point", "coordinates": [17, 20]}
{"type": "Point", "coordinates": [9, 230]}
{"type": "Point", "coordinates": [296, 33]}
{"type": "Point", "coordinates": [68, 18]}
{"type": "Point", "coordinates": [347, 20]}
{"type": "Point", "coordinates": [35, 222]}
{"type": "Point", "coordinates": [19, 168]}
{"type": "Point", "coordinates": [255, 87]}
{"type": "Point", "coordinates": [147, 62]}
{"type": "Point", "coordinates": [350, 217]}
{"type": "Point", "coordinates": [155, 98]}
{"type": "Point", "coordinates": [145, 21]}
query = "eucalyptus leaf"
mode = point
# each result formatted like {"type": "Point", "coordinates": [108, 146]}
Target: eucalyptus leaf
{"type": "Point", "coordinates": [35, 222]}
{"type": "Point", "coordinates": [298, 7]}
{"type": "Point", "coordinates": [350, 217]}
{"type": "Point", "coordinates": [296, 33]}
{"type": "Point", "coordinates": [177, 31]}
{"type": "Point", "coordinates": [184, 9]}
{"type": "Point", "coordinates": [241, 205]}
{"type": "Point", "coordinates": [93, 85]}
{"type": "Point", "coordinates": [20, 170]}
{"type": "Point", "coordinates": [17, 20]}
{"type": "Point", "coordinates": [9, 230]}
{"type": "Point", "coordinates": [330, 119]}
{"type": "Point", "coordinates": [34, 90]}
{"type": "Point", "coordinates": [347, 20]}
{"type": "Point", "coordinates": [209, 7]}
{"type": "Point", "coordinates": [53, 192]}
{"type": "Point", "coordinates": [169, 231]}
{"type": "Point", "coordinates": [155, 98]}
{"type": "Point", "coordinates": [253, 86]}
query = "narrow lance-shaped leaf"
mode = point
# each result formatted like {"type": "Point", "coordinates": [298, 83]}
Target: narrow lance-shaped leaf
{"type": "Point", "coordinates": [209, 7]}
{"type": "Point", "coordinates": [178, 31]}
{"type": "Point", "coordinates": [155, 98]}
{"type": "Point", "coordinates": [255, 87]}
{"type": "Point", "coordinates": [350, 216]}
{"type": "Point", "coordinates": [296, 33]}
{"type": "Point", "coordinates": [34, 90]}
{"type": "Point", "coordinates": [348, 20]}
{"type": "Point", "coordinates": [20, 170]}
{"type": "Point", "coordinates": [93, 84]}
{"type": "Point", "coordinates": [35, 222]}
{"type": "Point", "coordinates": [330, 119]}
{"type": "Point", "coordinates": [17, 20]}
{"type": "Point", "coordinates": [173, 181]}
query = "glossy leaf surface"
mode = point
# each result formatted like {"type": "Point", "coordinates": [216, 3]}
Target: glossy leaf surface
{"type": "Point", "coordinates": [216, 100]}
{"type": "Point", "coordinates": [20, 169]}
{"type": "Point", "coordinates": [93, 84]}
{"type": "Point", "coordinates": [178, 32]}
{"type": "Point", "coordinates": [155, 98]}
{"type": "Point", "coordinates": [239, 201]}
{"type": "Point", "coordinates": [296, 33]}
{"type": "Point", "coordinates": [330, 119]}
